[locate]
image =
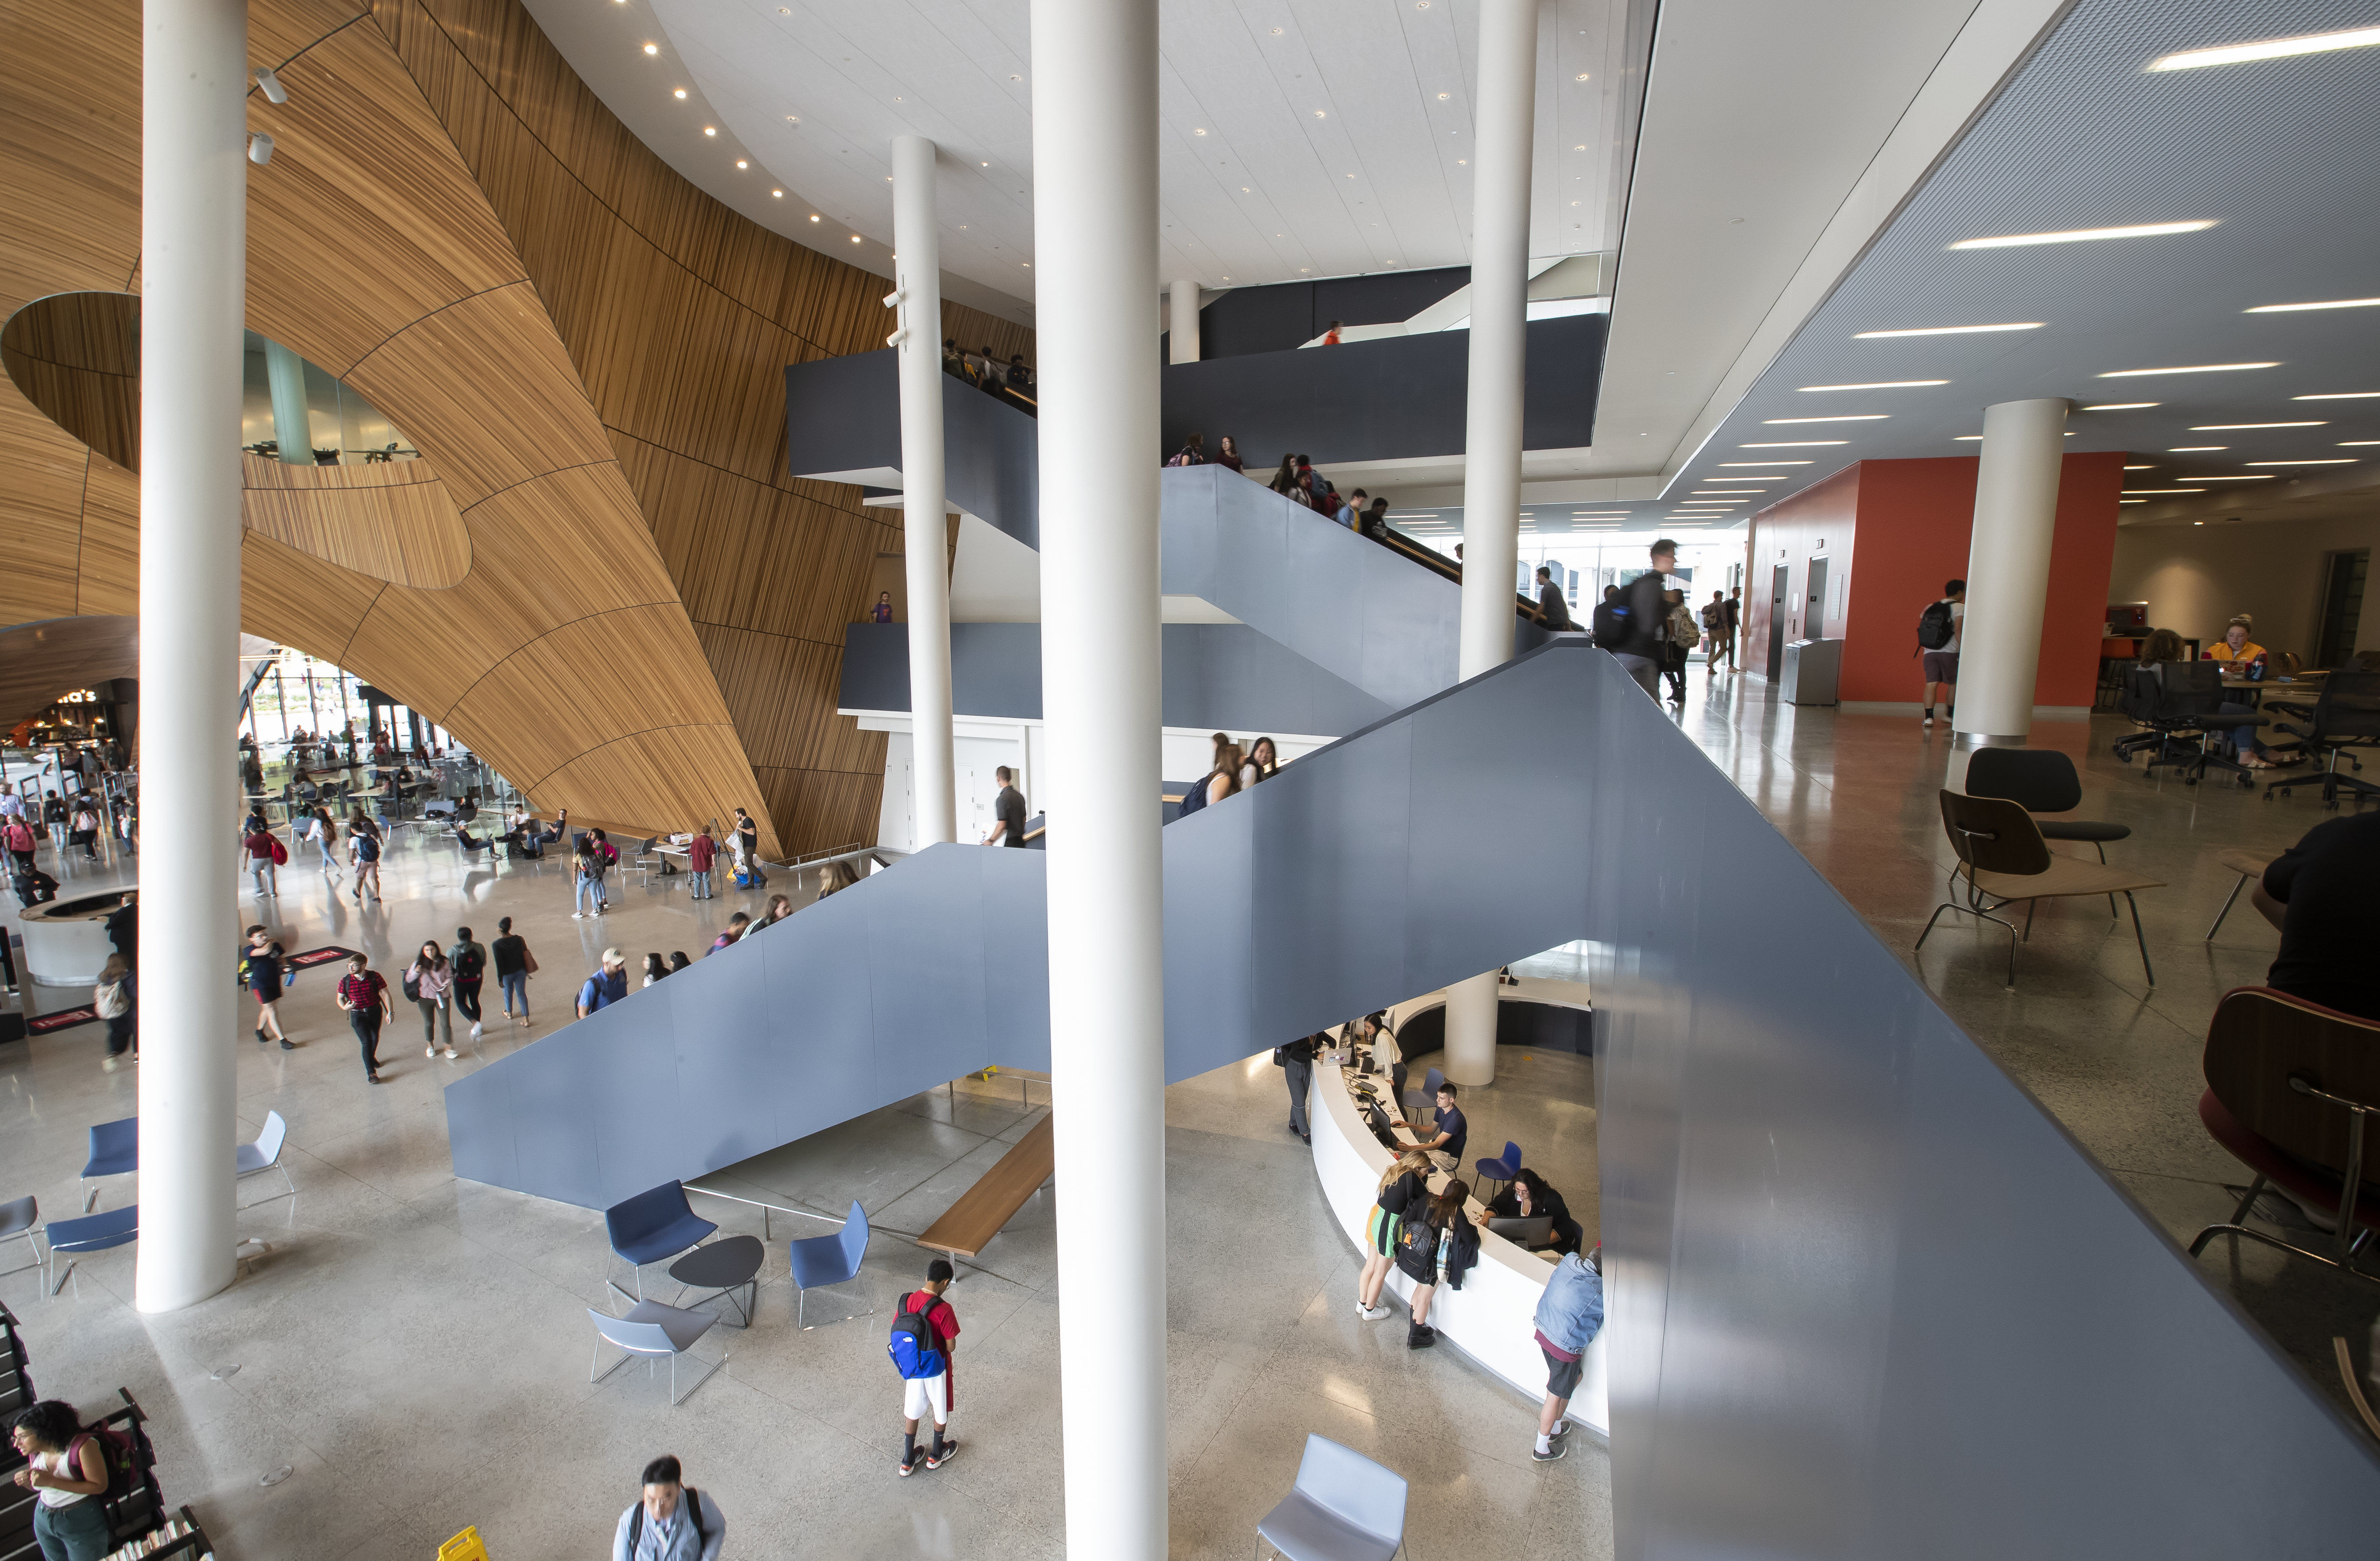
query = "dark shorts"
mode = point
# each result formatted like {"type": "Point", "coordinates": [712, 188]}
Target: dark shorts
{"type": "Point", "coordinates": [1562, 1376]}
{"type": "Point", "coordinates": [271, 994]}
{"type": "Point", "coordinates": [1941, 666]}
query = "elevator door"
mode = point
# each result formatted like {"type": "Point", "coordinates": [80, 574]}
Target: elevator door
{"type": "Point", "coordinates": [1814, 612]}
{"type": "Point", "coordinates": [1776, 622]}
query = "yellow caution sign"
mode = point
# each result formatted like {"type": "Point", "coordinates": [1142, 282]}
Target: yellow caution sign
{"type": "Point", "coordinates": [465, 1546]}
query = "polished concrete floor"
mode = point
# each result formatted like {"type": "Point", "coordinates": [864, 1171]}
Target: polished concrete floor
{"type": "Point", "coordinates": [417, 1349]}
{"type": "Point", "coordinates": [2116, 1060]}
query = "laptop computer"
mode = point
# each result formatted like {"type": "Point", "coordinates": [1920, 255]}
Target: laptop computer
{"type": "Point", "coordinates": [1533, 1231]}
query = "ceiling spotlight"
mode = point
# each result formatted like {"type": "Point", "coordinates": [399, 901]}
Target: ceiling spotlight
{"type": "Point", "coordinates": [652, 48]}
{"type": "Point", "coordinates": [1320, 114]}
{"type": "Point", "coordinates": [2146, 468]}
{"type": "Point", "coordinates": [270, 85]}
{"type": "Point", "coordinates": [855, 239]}
{"type": "Point", "coordinates": [2122, 406]}
{"type": "Point", "coordinates": [679, 92]}
{"type": "Point", "coordinates": [1276, 32]}
{"type": "Point", "coordinates": [793, 118]}
{"type": "Point", "coordinates": [2295, 308]}
{"type": "Point", "coordinates": [710, 130]}
{"type": "Point", "coordinates": [2187, 368]}
{"type": "Point", "coordinates": [259, 149]}
{"type": "Point", "coordinates": [777, 194]}
{"type": "Point", "coordinates": [1441, 97]}
{"type": "Point", "coordinates": [1581, 77]}
{"type": "Point", "coordinates": [1942, 330]}
{"type": "Point", "coordinates": [1202, 132]}
{"type": "Point", "coordinates": [741, 163]}
{"type": "Point", "coordinates": [1879, 384]}
{"type": "Point", "coordinates": [2079, 236]}
{"type": "Point", "coordinates": [2271, 49]}
{"type": "Point", "coordinates": [814, 216]}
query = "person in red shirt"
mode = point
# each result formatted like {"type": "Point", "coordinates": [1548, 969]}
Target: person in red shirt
{"type": "Point", "coordinates": [699, 853]}
{"type": "Point", "coordinates": [365, 996]}
{"type": "Point", "coordinates": [933, 1395]}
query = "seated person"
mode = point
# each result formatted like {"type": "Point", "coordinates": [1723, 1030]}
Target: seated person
{"type": "Point", "coordinates": [2237, 649]}
{"type": "Point", "coordinates": [1528, 1196]}
{"type": "Point", "coordinates": [470, 845]}
{"type": "Point", "coordinates": [2319, 893]}
{"type": "Point", "coordinates": [1445, 1147]}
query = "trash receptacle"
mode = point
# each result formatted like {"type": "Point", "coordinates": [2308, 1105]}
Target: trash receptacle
{"type": "Point", "coordinates": [1812, 668]}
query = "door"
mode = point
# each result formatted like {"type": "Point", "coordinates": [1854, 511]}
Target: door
{"type": "Point", "coordinates": [1776, 622]}
{"type": "Point", "coordinates": [1814, 621]}
{"type": "Point", "coordinates": [2342, 607]}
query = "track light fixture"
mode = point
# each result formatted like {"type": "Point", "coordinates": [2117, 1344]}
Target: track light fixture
{"type": "Point", "coordinates": [259, 149]}
{"type": "Point", "coordinates": [896, 338]}
{"type": "Point", "coordinates": [270, 85]}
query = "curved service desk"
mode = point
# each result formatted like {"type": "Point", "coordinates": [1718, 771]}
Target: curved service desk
{"type": "Point", "coordinates": [1493, 1317]}
{"type": "Point", "coordinates": [66, 940]}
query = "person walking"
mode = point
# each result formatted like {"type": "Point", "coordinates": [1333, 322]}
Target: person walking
{"type": "Point", "coordinates": [514, 965]}
{"type": "Point", "coordinates": [365, 996]}
{"type": "Point", "coordinates": [1569, 1313]}
{"type": "Point", "coordinates": [925, 1352]}
{"type": "Point", "coordinates": [1683, 635]}
{"type": "Point", "coordinates": [112, 1000]}
{"type": "Point", "coordinates": [1296, 1062]}
{"type": "Point", "coordinates": [1735, 622]}
{"type": "Point", "coordinates": [430, 983]}
{"type": "Point", "coordinates": [18, 837]}
{"type": "Point", "coordinates": [260, 844]}
{"type": "Point", "coordinates": [737, 925]}
{"type": "Point", "coordinates": [320, 829]}
{"type": "Point", "coordinates": [1940, 628]}
{"type": "Point", "coordinates": [748, 851]}
{"type": "Point", "coordinates": [55, 815]}
{"type": "Point", "coordinates": [1642, 630]}
{"type": "Point", "coordinates": [589, 877]}
{"type": "Point", "coordinates": [1553, 609]}
{"type": "Point", "coordinates": [1008, 810]}
{"type": "Point", "coordinates": [671, 1521]}
{"type": "Point", "coordinates": [1714, 618]}
{"type": "Point", "coordinates": [261, 971]}
{"type": "Point", "coordinates": [609, 984]}
{"type": "Point", "coordinates": [469, 960]}
{"type": "Point", "coordinates": [82, 829]}
{"type": "Point", "coordinates": [66, 1469]}
{"type": "Point", "coordinates": [363, 855]}
{"type": "Point", "coordinates": [700, 852]}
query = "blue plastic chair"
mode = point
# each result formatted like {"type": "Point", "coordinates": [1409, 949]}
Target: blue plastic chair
{"type": "Point", "coordinates": [1421, 1102]}
{"type": "Point", "coordinates": [829, 1260]}
{"type": "Point", "coordinates": [653, 1226]}
{"type": "Point", "coordinates": [1503, 1170]}
{"type": "Point", "coordinates": [1343, 1507]}
{"type": "Point", "coordinates": [115, 1151]}
{"type": "Point", "coordinates": [90, 1234]}
{"type": "Point", "coordinates": [652, 1330]}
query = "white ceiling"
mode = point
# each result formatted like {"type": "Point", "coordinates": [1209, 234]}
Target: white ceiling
{"type": "Point", "coordinates": [1298, 138]}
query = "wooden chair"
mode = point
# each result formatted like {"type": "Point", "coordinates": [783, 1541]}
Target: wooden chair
{"type": "Point", "coordinates": [2003, 859]}
{"type": "Point", "coordinates": [2248, 865]}
{"type": "Point", "coordinates": [2290, 1086]}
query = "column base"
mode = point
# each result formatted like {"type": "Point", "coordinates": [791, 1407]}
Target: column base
{"type": "Point", "coordinates": [1988, 739]}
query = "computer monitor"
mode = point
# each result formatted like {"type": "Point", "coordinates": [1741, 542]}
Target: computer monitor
{"type": "Point", "coordinates": [1533, 1231]}
{"type": "Point", "coordinates": [2127, 617]}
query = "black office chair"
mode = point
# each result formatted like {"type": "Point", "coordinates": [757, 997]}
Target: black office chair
{"type": "Point", "coordinates": [2181, 703]}
{"type": "Point", "coordinates": [2345, 715]}
{"type": "Point", "coordinates": [2042, 781]}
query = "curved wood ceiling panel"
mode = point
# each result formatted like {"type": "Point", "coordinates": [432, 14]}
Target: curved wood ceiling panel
{"type": "Point", "coordinates": [40, 661]}
{"type": "Point", "coordinates": [76, 356]}
{"type": "Point", "coordinates": [393, 521]}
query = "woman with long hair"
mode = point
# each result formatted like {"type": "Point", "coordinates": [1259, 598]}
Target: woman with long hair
{"type": "Point", "coordinates": [430, 980]}
{"type": "Point", "coordinates": [1405, 1182]}
{"type": "Point", "coordinates": [1435, 1244]}
{"type": "Point", "coordinates": [1227, 453]}
{"type": "Point", "coordinates": [1262, 763]}
{"type": "Point", "coordinates": [1284, 481]}
{"type": "Point", "coordinates": [65, 1470]}
{"type": "Point", "coordinates": [1225, 778]}
{"type": "Point", "coordinates": [515, 965]}
{"type": "Point", "coordinates": [655, 968]}
{"type": "Point", "coordinates": [324, 832]}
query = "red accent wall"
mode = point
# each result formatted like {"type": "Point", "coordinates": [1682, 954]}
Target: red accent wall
{"type": "Point", "coordinates": [1911, 522]}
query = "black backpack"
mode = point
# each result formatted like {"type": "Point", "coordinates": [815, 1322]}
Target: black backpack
{"type": "Point", "coordinates": [1195, 797]}
{"type": "Point", "coordinates": [467, 964]}
{"type": "Point", "coordinates": [693, 1501]}
{"type": "Point", "coordinates": [1934, 627]}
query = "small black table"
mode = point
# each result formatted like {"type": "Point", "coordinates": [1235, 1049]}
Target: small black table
{"type": "Point", "coordinates": [723, 1269]}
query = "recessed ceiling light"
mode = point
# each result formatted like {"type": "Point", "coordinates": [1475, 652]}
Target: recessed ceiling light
{"type": "Point", "coordinates": [2258, 477]}
{"type": "Point", "coordinates": [1700, 491]}
{"type": "Point", "coordinates": [2351, 444]}
{"type": "Point", "coordinates": [2333, 461]}
{"type": "Point", "coordinates": [1320, 114]}
{"type": "Point", "coordinates": [1276, 32]}
{"type": "Point", "coordinates": [1765, 463]}
{"type": "Point", "coordinates": [2139, 490]}
{"type": "Point", "coordinates": [814, 216]}
{"type": "Point", "coordinates": [1850, 418]}
{"type": "Point", "coordinates": [2146, 468]}
{"type": "Point", "coordinates": [1581, 77]}
{"type": "Point", "coordinates": [2144, 502]}
{"type": "Point", "coordinates": [680, 92]}
{"type": "Point", "coordinates": [710, 130]}
{"type": "Point", "coordinates": [2193, 448]}
{"type": "Point", "coordinates": [1942, 330]}
{"type": "Point", "coordinates": [2295, 308]}
{"type": "Point", "coordinates": [2341, 395]}
{"type": "Point", "coordinates": [778, 194]}
{"type": "Point", "coordinates": [2079, 236]}
{"type": "Point", "coordinates": [2193, 522]}
{"type": "Point", "coordinates": [1972, 438]}
{"type": "Point", "coordinates": [2122, 406]}
{"type": "Point", "coordinates": [2271, 49]}
{"type": "Point", "coordinates": [2212, 428]}
{"type": "Point", "coordinates": [793, 118]}
{"type": "Point", "coordinates": [2184, 368]}
{"type": "Point", "coordinates": [656, 48]}
{"type": "Point", "coordinates": [740, 162]}
{"type": "Point", "coordinates": [855, 239]}
{"type": "Point", "coordinates": [1202, 132]}
{"type": "Point", "coordinates": [1879, 384]}
{"type": "Point", "coordinates": [1441, 97]}
{"type": "Point", "coordinates": [1794, 444]}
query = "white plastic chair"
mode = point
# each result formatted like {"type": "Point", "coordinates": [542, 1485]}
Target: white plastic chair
{"type": "Point", "coordinates": [1343, 1507]}
{"type": "Point", "coordinates": [264, 1155]}
{"type": "Point", "coordinates": [651, 1330]}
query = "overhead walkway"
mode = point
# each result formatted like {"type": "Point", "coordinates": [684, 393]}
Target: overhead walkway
{"type": "Point", "coordinates": [1867, 1299]}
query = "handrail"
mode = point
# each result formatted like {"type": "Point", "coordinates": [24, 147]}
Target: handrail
{"type": "Point", "coordinates": [763, 1206]}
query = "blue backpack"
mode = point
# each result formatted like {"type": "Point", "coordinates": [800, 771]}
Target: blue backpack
{"type": "Point", "coordinates": [916, 1354]}
{"type": "Point", "coordinates": [1195, 797]}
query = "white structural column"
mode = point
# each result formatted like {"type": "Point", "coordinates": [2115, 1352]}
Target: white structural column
{"type": "Point", "coordinates": [1095, 258]}
{"type": "Point", "coordinates": [1182, 321]}
{"type": "Point", "coordinates": [2007, 570]}
{"type": "Point", "coordinates": [925, 524]}
{"type": "Point", "coordinates": [193, 275]}
{"type": "Point", "coordinates": [1491, 469]}
{"type": "Point", "coordinates": [293, 427]}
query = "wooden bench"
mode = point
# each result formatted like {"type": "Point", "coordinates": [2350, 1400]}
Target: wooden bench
{"type": "Point", "coordinates": [968, 1226]}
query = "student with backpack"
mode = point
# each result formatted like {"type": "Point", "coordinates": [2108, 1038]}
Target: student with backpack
{"type": "Point", "coordinates": [1435, 1243]}
{"type": "Point", "coordinates": [110, 999]}
{"type": "Point", "coordinates": [18, 837]}
{"type": "Point", "coordinates": [1715, 630]}
{"type": "Point", "coordinates": [65, 1468]}
{"type": "Point", "coordinates": [587, 885]}
{"type": "Point", "coordinates": [514, 965]}
{"type": "Point", "coordinates": [363, 855]}
{"type": "Point", "coordinates": [671, 1521]}
{"type": "Point", "coordinates": [265, 853]}
{"type": "Point", "coordinates": [365, 996]}
{"type": "Point", "coordinates": [262, 968]}
{"type": "Point", "coordinates": [428, 982]}
{"type": "Point", "coordinates": [609, 984]}
{"type": "Point", "coordinates": [924, 1347]}
{"type": "Point", "coordinates": [1939, 628]}
{"type": "Point", "coordinates": [470, 962]}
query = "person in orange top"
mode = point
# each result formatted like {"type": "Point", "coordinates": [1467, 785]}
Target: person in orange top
{"type": "Point", "coordinates": [2235, 645]}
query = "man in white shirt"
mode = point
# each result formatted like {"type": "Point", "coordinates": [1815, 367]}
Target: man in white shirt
{"type": "Point", "coordinates": [1942, 661]}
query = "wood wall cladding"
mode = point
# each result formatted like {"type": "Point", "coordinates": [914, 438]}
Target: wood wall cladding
{"type": "Point", "coordinates": [40, 661]}
{"type": "Point", "coordinates": [395, 521]}
{"type": "Point", "coordinates": [74, 356]}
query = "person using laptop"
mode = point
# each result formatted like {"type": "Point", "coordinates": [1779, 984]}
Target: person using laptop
{"type": "Point", "coordinates": [1530, 1196]}
{"type": "Point", "coordinates": [1444, 1146]}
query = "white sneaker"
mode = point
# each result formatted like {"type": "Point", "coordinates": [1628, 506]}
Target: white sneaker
{"type": "Point", "coordinates": [450, 1051]}
{"type": "Point", "coordinates": [577, 915]}
{"type": "Point", "coordinates": [475, 1032]}
{"type": "Point", "coordinates": [430, 1052]}
{"type": "Point", "coordinates": [1372, 1314]}
{"type": "Point", "coordinates": [1927, 721]}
